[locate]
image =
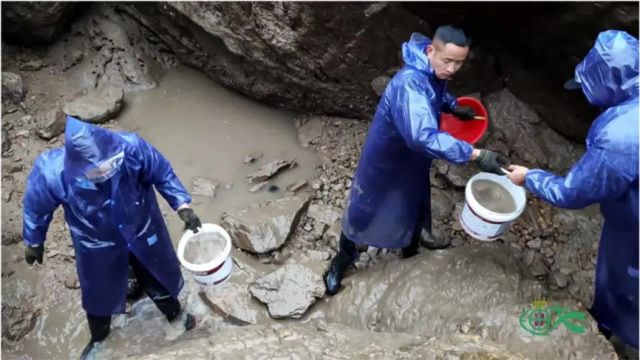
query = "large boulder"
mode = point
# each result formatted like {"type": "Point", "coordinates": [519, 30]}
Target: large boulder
{"type": "Point", "coordinates": [309, 57]}
{"type": "Point", "coordinates": [34, 22]}
{"type": "Point", "coordinates": [97, 106]}
{"type": "Point", "coordinates": [264, 227]}
{"type": "Point", "coordinates": [476, 289]}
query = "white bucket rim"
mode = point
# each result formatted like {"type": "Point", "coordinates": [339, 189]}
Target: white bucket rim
{"type": "Point", "coordinates": [518, 193]}
{"type": "Point", "coordinates": [217, 260]}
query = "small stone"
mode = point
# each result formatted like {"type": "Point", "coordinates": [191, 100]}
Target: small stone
{"type": "Point", "coordinates": [528, 257]}
{"type": "Point", "coordinates": [534, 244]}
{"type": "Point", "coordinates": [204, 187]}
{"type": "Point", "coordinates": [558, 279]}
{"type": "Point", "coordinates": [308, 227]}
{"type": "Point", "coordinates": [71, 282]}
{"type": "Point", "coordinates": [252, 157]}
{"type": "Point", "coordinates": [457, 241]}
{"type": "Point", "coordinates": [32, 65]}
{"type": "Point", "coordinates": [297, 186]}
{"type": "Point", "coordinates": [258, 186]}
{"type": "Point", "coordinates": [538, 269]}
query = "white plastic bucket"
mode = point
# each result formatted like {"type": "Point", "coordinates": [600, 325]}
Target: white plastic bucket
{"type": "Point", "coordinates": [482, 223]}
{"type": "Point", "coordinates": [218, 269]}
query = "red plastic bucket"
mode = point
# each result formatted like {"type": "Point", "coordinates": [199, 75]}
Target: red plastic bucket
{"type": "Point", "coordinates": [470, 131]}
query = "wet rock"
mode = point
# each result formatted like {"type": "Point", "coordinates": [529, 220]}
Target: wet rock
{"type": "Point", "coordinates": [538, 269]}
{"type": "Point", "coordinates": [204, 187]}
{"type": "Point", "coordinates": [379, 84]}
{"type": "Point", "coordinates": [13, 88]}
{"type": "Point", "coordinates": [514, 119]}
{"type": "Point", "coordinates": [477, 285]}
{"type": "Point", "coordinates": [436, 239]}
{"type": "Point", "coordinates": [232, 302]}
{"type": "Point", "coordinates": [323, 213]}
{"type": "Point", "coordinates": [72, 282]}
{"type": "Point", "coordinates": [267, 171]}
{"type": "Point", "coordinates": [311, 131]}
{"type": "Point", "coordinates": [11, 222]}
{"type": "Point", "coordinates": [528, 257]}
{"type": "Point", "coordinates": [12, 167]}
{"type": "Point", "coordinates": [441, 204]}
{"type": "Point", "coordinates": [297, 185]}
{"type": "Point", "coordinates": [289, 50]}
{"type": "Point", "coordinates": [558, 280]}
{"type": "Point", "coordinates": [97, 106]}
{"type": "Point", "coordinates": [289, 291]}
{"type": "Point", "coordinates": [535, 243]}
{"type": "Point", "coordinates": [54, 123]}
{"type": "Point", "coordinates": [457, 241]}
{"type": "Point", "coordinates": [253, 157]}
{"type": "Point", "coordinates": [37, 22]}
{"type": "Point", "coordinates": [316, 340]}
{"type": "Point", "coordinates": [32, 65]}
{"type": "Point", "coordinates": [73, 58]}
{"type": "Point", "coordinates": [456, 175]}
{"type": "Point", "coordinates": [17, 321]}
{"type": "Point", "coordinates": [6, 141]}
{"type": "Point", "coordinates": [259, 186]}
{"type": "Point", "coordinates": [264, 227]}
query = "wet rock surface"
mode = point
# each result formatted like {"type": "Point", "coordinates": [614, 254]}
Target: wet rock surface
{"type": "Point", "coordinates": [474, 289]}
{"type": "Point", "coordinates": [289, 291]}
{"type": "Point", "coordinates": [35, 22]}
{"type": "Point", "coordinates": [268, 170]}
{"type": "Point", "coordinates": [96, 106]}
{"type": "Point", "coordinates": [264, 227]}
{"type": "Point", "coordinates": [319, 340]}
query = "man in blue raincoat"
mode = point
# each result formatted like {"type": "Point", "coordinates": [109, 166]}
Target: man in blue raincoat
{"type": "Point", "coordinates": [105, 182]}
{"type": "Point", "coordinates": [389, 202]}
{"type": "Point", "coordinates": [606, 174]}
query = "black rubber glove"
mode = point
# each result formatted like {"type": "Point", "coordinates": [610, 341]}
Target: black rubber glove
{"type": "Point", "coordinates": [33, 253]}
{"type": "Point", "coordinates": [191, 220]}
{"type": "Point", "coordinates": [492, 162]}
{"type": "Point", "coordinates": [464, 112]}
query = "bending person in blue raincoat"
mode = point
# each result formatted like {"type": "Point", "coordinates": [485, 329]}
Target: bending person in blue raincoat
{"type": "Point", "coordinates": [389, 202]}
{"type": "Point", "coordinates": [105, 182]}
{"type": "Point", "coordinates": [606, 174]}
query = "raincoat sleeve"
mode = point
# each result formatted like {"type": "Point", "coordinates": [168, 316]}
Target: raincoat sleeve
{"type": "Point", "coordinates": [415, 119]}
{"type": "Point", "coordinates": [39, 203]}
{"type": "Point", "coordinates": [157, 170]}
{"type": "Point", "coordinates": [592, 179]}
{"type": "Point", "coordinates": [449, 103]}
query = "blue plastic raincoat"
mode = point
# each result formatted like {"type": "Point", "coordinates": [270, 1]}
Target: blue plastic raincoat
{"type": "Point", "coordinates": [104, 181]}
{"type": "Point", "coordinates": [390, 195]}
{"type": "Point", "coordinates": [607, 174]}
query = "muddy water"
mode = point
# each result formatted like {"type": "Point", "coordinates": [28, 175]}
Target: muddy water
{"type": "Point", "coordinates": [203, 248]}
{"type": "Point", "coordinates": [493, 196]}
{"type": "Point", "coordinates": [206, 131]}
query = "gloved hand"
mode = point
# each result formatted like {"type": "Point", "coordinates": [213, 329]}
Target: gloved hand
{"type": "Point", "coordinates": [464, 112]}
{"type": "Point", "coordinates": [191, 220]}
{"type": "Point", "coordinates": [492, 162]}
{"type": "Point", "coordinates": [33, 253]}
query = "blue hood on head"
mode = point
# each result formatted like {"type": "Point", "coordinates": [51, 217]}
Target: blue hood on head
{"type": "Point", "coordinates": [414, 55]}
{"type": "Point", "coordinates": [609, 73]}
{"type": "Point", "coordinates": [86, 146]}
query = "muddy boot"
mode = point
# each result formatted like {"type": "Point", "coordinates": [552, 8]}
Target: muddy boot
{"type": "Point", "coordinates": [90, 350]}
{"type": "Point", "coordinates": [345, 257]}
{"type": "Point", "coordinates": [134, 289]}
{"type": "Point", "coordinates": [412, 249]}
{"type": "Point", "coordinates": [99, 326]}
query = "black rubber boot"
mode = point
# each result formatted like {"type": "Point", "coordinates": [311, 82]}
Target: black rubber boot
{"type": "Point", "coordinates": [345, 257]}
{"type": "Point", "coordinates": [134, 289]}
{"type": "Point", "coordinates": [99, 326]}
{"type": "Point", "coordinates": [412, 249]}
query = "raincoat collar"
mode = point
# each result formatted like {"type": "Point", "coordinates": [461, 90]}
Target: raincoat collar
{"type": "Point", "coordinates": [414, 55]}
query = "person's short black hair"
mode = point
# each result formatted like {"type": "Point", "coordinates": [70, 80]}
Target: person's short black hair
{"type": "Point", "coordinates": [449, 34]}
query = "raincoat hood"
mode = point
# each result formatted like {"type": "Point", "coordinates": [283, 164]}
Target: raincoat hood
{"type": "Point", "coordinates": [88, 148]}
{"type": "Point", "coordinates": [413, 53]}
{"type": "Point", "coordinates": [608, 74]}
